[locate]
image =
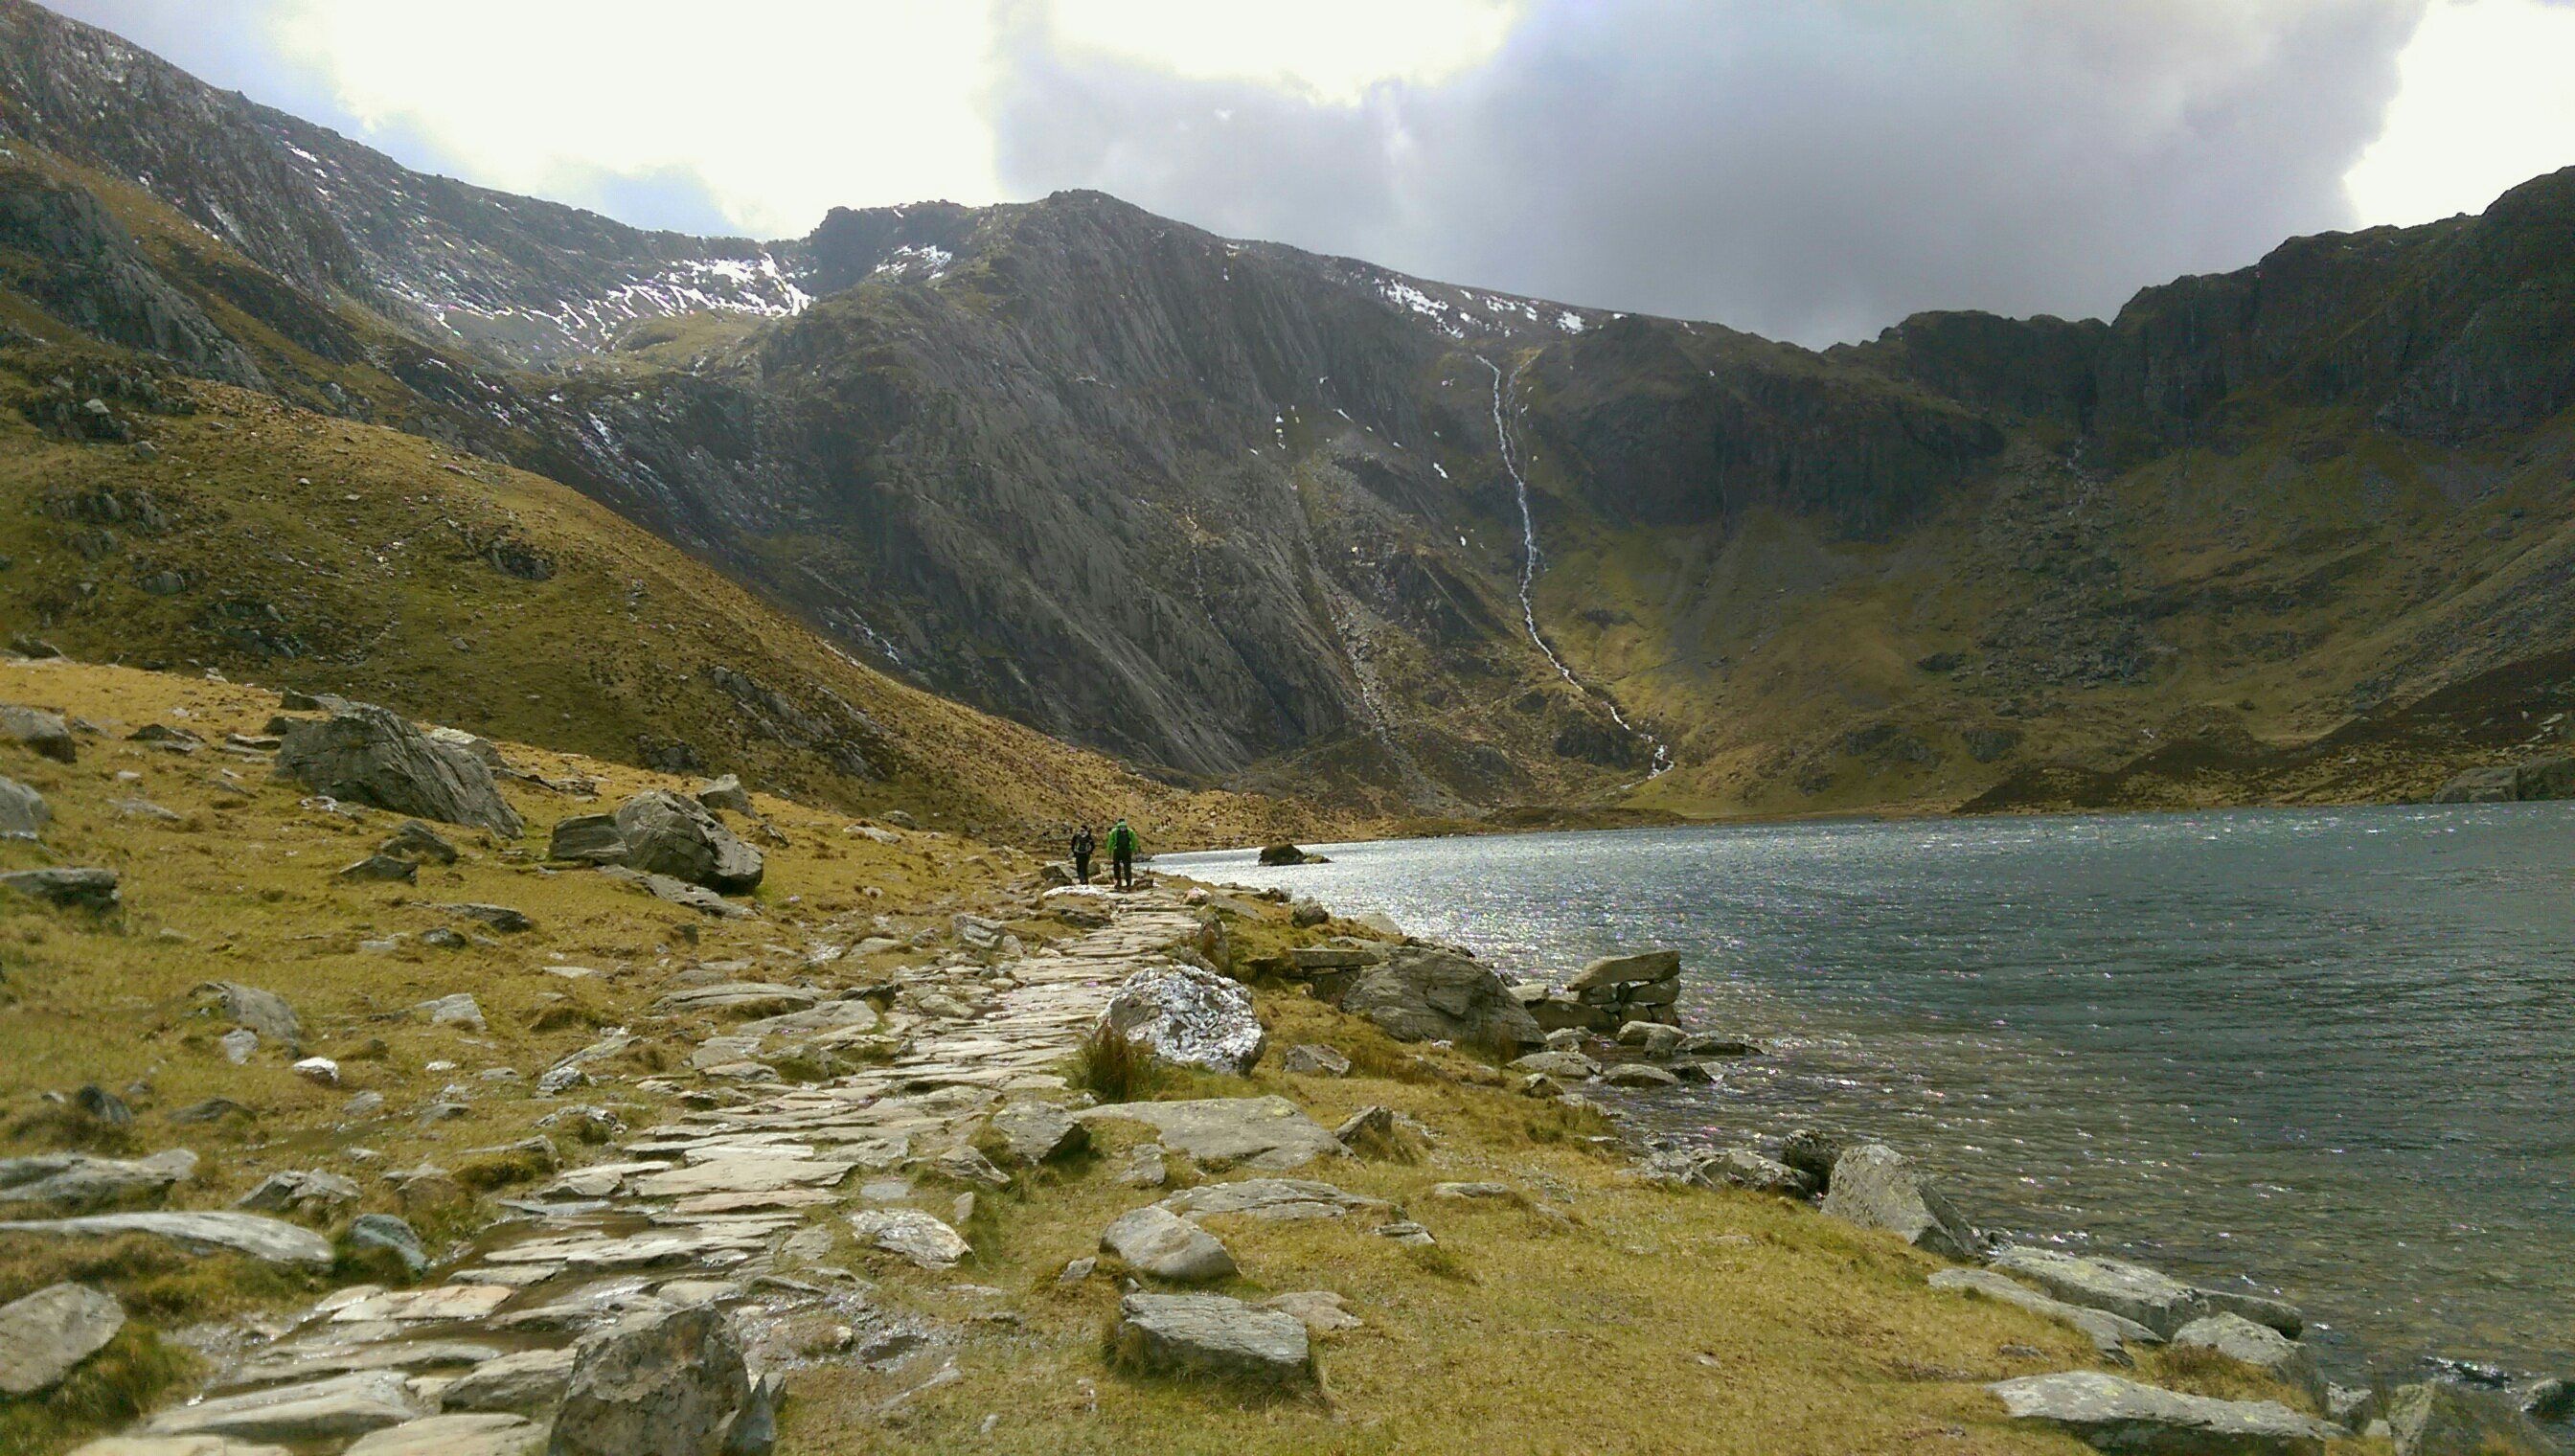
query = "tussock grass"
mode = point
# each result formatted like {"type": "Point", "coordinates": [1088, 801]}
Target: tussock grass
{"type": "Point", "coordinates": [1114, 1069]}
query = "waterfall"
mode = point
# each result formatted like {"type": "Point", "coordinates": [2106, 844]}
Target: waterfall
{"type": "Point", "coordinates": [1528, 569]}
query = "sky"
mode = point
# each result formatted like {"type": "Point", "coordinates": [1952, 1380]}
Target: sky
{"type": "Point", "coordinates": [1811, 171]}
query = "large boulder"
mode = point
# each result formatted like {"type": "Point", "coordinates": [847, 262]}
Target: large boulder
{"type": "Point", "coordinates": [1438, 993]}
{"type": "Point", "coordinates": [2259, 1346]}
{"type": "Point", "coordinates": [2544, 779]}
{"type": "Point", "coordinates": [39, 731]}
{"type": "Point", "coordinates": [667, 834]}
{"type": "Point", "coordinates": [68, 889]}
{"type": "Point", "coordinates": [2118, 1414]}
{"type": "Point", "coordinates": [22, 815]}
{"type": "Point", "coordinates": [1210, 1335]}
{"type": "Point", "coordinates": [587, 839]}
{"type": "Point", "coordinates": [374, 755]}
{"type": "Point", "coordinates": [46, 1334]}
{"type": "Point", "coordinates": [1876, 1186]}
{"type": "Point", "coordinates": [2497, 784]}
{"type": "Point", "coordinates": [73, 1182]}
{"type": "Point", "coordinates": [1187, 1016]}
{"type": "Point", "coordinates": [1644, 967]}
{"type": "Point", "coordinates": [2110, 1334]}
{"type": "Point", "coordinates": [2132, 1291]}
{"type": "Point", "coordinates": [661, 1382]}
{"type": "Point", "coordinates": [1159, 1243]}
{"type": "Point", "coordinates": [2440, 1419]}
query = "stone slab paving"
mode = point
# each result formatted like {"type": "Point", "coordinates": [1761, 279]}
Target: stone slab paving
{"type": "Point", "coordinates": [708, 1207]}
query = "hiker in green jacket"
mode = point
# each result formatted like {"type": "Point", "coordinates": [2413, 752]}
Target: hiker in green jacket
{"type": "Point", "coordinates": [1122, 854]}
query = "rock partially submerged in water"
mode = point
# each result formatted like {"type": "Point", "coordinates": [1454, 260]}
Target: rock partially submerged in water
{"type": "Point", "coordinates": [2437, 1418]}
{"type": "Point", "coordinates": [1874, 1186]}
{"type": "Point", "coordinates": [1287, 853]}
{"type": "Point", "coordinates": [2118, 1414]}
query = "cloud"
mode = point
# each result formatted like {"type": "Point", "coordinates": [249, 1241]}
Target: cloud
{"type": "Point", "coordinates": [2485, 102]}
{"type": "Point", "coordinates": [1812, 171]}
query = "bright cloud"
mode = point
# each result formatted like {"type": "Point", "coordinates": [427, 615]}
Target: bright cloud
{"type": "Point", "coordinates": [781, 111]}
{"type": "Point", "coordinates": [1327, 50]}
{"type": "Point", "coordinates": [2485, 100]}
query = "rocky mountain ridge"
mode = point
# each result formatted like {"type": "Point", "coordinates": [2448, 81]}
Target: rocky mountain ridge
{"type": "Point", "coordinates": [1240, 513]}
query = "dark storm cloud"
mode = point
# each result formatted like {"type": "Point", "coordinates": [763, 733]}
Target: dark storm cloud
{"type": "Point", "coordinates": [1810, 171]}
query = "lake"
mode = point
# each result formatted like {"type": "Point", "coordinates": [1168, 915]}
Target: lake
{"type": "Point", "coordinates": [2328, 1052]}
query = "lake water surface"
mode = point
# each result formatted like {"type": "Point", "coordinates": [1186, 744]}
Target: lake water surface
{"type": "Point", "coordinates": [2331, 1052]}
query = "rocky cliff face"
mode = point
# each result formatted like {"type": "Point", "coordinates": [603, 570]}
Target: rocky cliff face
{"type": "Point", "coordinates": [1235, 510]}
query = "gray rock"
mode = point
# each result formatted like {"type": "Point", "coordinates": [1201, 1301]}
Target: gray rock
{"type": "Point", "coordinates": [2271, 1313]}
{"type": "Point", "coordinates": [417, 840]}
{"type": "Point", "coordinates": [1406, 1232]}
{"type": "Point", "coordinates": [1571, 1066]}
{"type": "Point", "coordinates": [1812, 1153]}
{"type": "Point", "coordinates": [910, 1234]}
{"type": "Point", "coordinates": [2498, 784]}
{"type": "Point", "coordinates": [372, 755]}
{"type": "Point", "coordinates": [499, 917]}
{"type": "Point", "coordinates": [177, 1446]}
{"type": "Point", "coordinates": [679, 893]}
{"type": "Point", "coordinates": [1642, 967]}
{"type": "Point", "coordinates": [739, 997]}
{"type": "Point", "coordinates": [2351, 1407]}
{"type": "Point", "coordinates": [458, 1009]}
{"type": "Point", "coordinates": [587, 839]}
{"type": "Point", "coordinates": [527, 1382]}
{"type": "Point", "coordinates": [23, 812]}
{"type": "Point", "coordinates": [2118, 1414]}
{"type": "Point", "coordinates": [1437, 993]}
{"type": "Point", "coordinates": [1372, 1126]}
{"type": "Point", "coordinates": [2110, 1334]}
{"type": "Point", "coordinates": [1272, 1200]}
{"type": "Point", "coordinates": [1741, 1167]}
{"type": "Point", "coordinates": [74, 1181]}
{"type": "Point", "coordinates": [2132, 1291]}
{"type": "Point", "coordinates": [293, 1191]}
{"type": "Point", "coordinates": [1189, 1017]}
{"type": "Point", "coordinates": [1210, 1335]}
{"type": "Point", "coordinates": [37, 731]}
{"type": "Point", "coordinates": [725, 793]}
{"type": "Point", "coordinates": [1142, 1167]}
{"type": "Point", "coordinates": [1304, 915]}
{"type": "Point", "coordinates": [1319, 1311]}
{"type": "Point", "coordinates": [1269, 1133]}
{"type": "Point", "coordinates": [46, 1334]}
{"type": "Point", "coordinates": [2259, 1346]}
{"type": "Point", "coordinates": [1157, 1242]}
{"type": "Point", "coordinates": [667, 834]}
{"type": "Point", "coordinates": [2437, 1418]}
{"type": "Point", "coordinates": [244, 1233]}
{"type": "Point", "coordinates": [1315, 1059]}
{"type": "Point", "coordinates": [1037, 1132]}
{"type": "Point", "coordinates": [385, 1231]}
{"type": "Point", "coordinates": [1638, 1074]}
{"type": "Point", "coordinates": [387, 868]}
{"type": "Point", "coordinates": [2550, 1398]}
{"type": "Point", "coordinates": [1874, 1186]}
{"type": "Point", "coordinates": [331, 1410]}
{"type": "Point", "coordinates": [87, 888]}
{"type": "Point", "coordinates": [265, 1013]}
{"type": "Point", "coordinates": [1651, 1038]}
{"type": "Point", "coordinates": [455, 1436]}
{"type": "Point", "coordinates": [666, 1382]}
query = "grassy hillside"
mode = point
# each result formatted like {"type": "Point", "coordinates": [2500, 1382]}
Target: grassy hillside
{"type": "Point", "coordinates": [238, 534]}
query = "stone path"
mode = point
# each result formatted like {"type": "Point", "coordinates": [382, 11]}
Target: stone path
{"type": "Point", "coordinates": [732, 1203]}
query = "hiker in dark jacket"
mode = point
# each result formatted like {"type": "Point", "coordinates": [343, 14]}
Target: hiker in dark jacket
{"type": "Point", "coordinates": [1122, 854]}
{"type": "Point", "coordinates": [1082, 846]}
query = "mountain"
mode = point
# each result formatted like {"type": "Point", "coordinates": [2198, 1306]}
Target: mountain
{"type": "Point", "coordinates": [1240, 514]}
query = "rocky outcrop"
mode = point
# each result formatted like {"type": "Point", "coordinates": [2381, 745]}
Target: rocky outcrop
{"type": "Point", "coordinates": [243, 1233]}
{"type": "Point", "coordinates": [2439, 1419]}
{"type": "Point", "coordinates": [665, 834]}
{"type": "Point", "coordinates": [1874, 1186]}
{"type": "Point", "coordinates": [1620, 990]}
{"type": "Point", "coordinates": [38, 731]}
{"type": "Point", "coordinates": [2117, 1339]}
{"type": "Point", "coordinates": [1287, 853]}
{"type": "Point", "coordinates": [2257, 1347]}
{"type": "Point", "coordinates": [1269, 1133]}
{"type": "Point", "coordinates": [2529, 782]}
{"type": "Point", "coordinates": [23, 812]}
{"type": "Point", "coordinates": [1189, 1017]}
{"type": "Point", "coordinates": [373, 755]}
{"type": "Point", "coordinates": [2132, 1291]}
{"type": "Point", "coordinates": [71, 1183]}
{"type": "Point", "coordinates": [1439, 993]}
